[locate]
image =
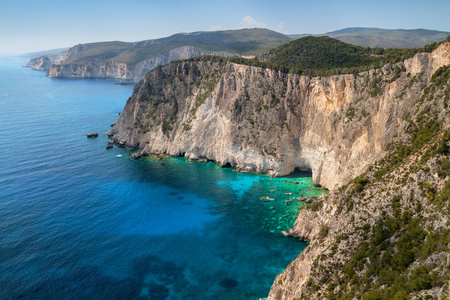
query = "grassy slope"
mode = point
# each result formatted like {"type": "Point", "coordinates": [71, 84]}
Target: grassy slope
{"type": "Point", "coordinates": [384, 38]}
{"type": "Point", "coordinates": [323, 56]}
{"type": "Point", "coordinates": [245, 42]}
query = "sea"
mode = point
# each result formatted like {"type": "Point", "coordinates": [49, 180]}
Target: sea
{"type": "Point", "coordinates": [81, 222]}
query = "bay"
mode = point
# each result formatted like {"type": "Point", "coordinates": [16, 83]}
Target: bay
{"type": "Point", "coordinates": [80, 222]}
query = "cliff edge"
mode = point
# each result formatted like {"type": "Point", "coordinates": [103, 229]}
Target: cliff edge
{"type": "Point", "coordinates": [266, 121]}
{"type": "Point", "coordinates": [386, 233]}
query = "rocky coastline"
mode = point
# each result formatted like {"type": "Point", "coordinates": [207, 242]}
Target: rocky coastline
{"type": "Point", "coordinates": [57, 66]}
{"type": "Point", "coordinates": [339, 127]}
{"type": "Point", "coordinates": [269, 122]}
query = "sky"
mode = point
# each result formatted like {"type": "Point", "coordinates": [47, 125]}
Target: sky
{"type": "Point", "coordinates": [36, 25]}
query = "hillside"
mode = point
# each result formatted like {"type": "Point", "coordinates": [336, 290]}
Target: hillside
{"type": "Point", "coordinates": [385, 234]}
{"type": "Point", "coordinates": [377, 139]}
{"type": "Point", "coordinates": [130, 61]}
{"type": "Point", "coordinates": [243, 42]}
{"type": "Point", "coordinates": [325, 54]}
{"type": "Point", "coordinates": [383, 38]}
{"type": "Point", "coordinates": [388, 38]}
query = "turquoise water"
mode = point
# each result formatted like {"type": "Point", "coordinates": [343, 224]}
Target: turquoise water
{"type": "Point", "coordinates": [80, 222]}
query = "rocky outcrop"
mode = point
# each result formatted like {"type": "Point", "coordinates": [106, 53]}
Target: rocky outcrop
{"type": "Point", "coordinates": [328, 268]}
{"type": "Point", "coordinates": [102, 69]}
{"type": "Point", "coordinates": [265, 121]}
{"type": "Point", "coordinates": [92, 134]}
{"type": "Point", "coordinates": [392, 219]}
{"type": "Point", "coordinates": [57, 66]}
{"type": "Point", "coordinates": [44, 63]}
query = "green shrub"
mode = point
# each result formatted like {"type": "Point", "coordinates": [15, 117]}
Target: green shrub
{"type": "Point", "coordinates": [316, 206]}
{"type": "Point", "coordinates": [420, 279]}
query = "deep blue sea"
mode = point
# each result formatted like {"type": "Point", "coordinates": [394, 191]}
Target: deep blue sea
{"type": "Point", "coordinates": [80, 222]}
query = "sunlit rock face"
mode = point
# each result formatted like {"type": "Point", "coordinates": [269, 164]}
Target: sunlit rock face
{"type": "Point", "coordinates": [58, 65]}
{"type": "Point", "coordinates": [265, 121]}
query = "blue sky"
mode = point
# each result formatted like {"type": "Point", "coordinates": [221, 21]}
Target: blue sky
{"type": "Point", "coordinates": [34, 25]}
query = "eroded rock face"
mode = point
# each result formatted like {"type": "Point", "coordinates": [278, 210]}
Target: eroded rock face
{"type": "Point", "coordinates": [264, 121]}
{"type": "Point", "coordinates": [127, 73]}
{"type": "Point", "coordinates": [336, 231]}
{"type": "Point", "coordinates": [43, 63]}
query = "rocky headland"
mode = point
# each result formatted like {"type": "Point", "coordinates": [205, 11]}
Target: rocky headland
{"type": "Point", "coordinates": [378, 139]}
{"type": "Point", "coordinates": [265, 121]}
{"type": "Point", "coordinates": [44, 63]}
{"type": "Point", "coordinates": [129, 62]}
{"type": "Point", "coordinates": [126, 72]}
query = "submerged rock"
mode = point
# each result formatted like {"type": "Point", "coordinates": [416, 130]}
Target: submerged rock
{"type": "Point", "coordinates": [228, 283]}
{"type": "Point", "coordinates": [136, 155]}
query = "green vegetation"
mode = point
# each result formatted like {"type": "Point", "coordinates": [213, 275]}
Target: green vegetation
{"type": "Point", "coordinates": [422, 130]}
{"type": "Point", "coordinates": [387, 38]}
{"type": "Point", "coordinates": [397, 251]}
{"type": "Point", "coordinates": [382, 265]}
{"type": "Point", "coordinates": [318, 53]}
{"type": "Point", "coordinates": [244, 42]}
{"type": "Point", "coordinates": [308, 55]}
{"type": "Point", "coordinates": [315, 206]}
{"type": "Point", "coordinates": [395, 243]}
{"type": "Point", "coordinates": [324, 55]}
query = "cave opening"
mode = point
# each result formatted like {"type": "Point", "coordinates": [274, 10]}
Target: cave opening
{"type": "Point", "coordinates": [301, 172]}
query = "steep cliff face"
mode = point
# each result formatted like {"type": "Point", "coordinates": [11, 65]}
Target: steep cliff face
{"type": "Point", "coordinates": [126, 72]}
{"type": "Point", "coordinates": [386, 234]}
{"type": "Point", "coordinates": [43, 63]}
{"type": "Point", "coordinates": [260, 120]}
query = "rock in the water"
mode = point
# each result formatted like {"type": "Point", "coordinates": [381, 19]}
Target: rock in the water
{"type": "Point", "coordinates": [310, 199]}
{"type": "Point", "coordinates": [136, 155]}
{"type": "Point", "coordinates": [92, 134]}
{"type": "Point", "coordinates": [109, 147]}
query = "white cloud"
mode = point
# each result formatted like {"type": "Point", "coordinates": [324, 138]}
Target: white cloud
{"type": "Point", "coordinates": [215, 28]}
{"type": "Point", "coordinates": [280, 27]}
{"type": "Point", "coordinates": [251, 22]}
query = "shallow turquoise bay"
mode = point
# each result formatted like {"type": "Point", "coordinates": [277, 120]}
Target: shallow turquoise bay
{"type": "Point", "coordinates": [79, 222]}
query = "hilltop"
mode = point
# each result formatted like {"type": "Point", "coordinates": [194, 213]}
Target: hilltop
{"type": "Point", "coordinates": [384, 38]}
{"type": "Point", "coordinates": [130, 61]}
{"type": "Point", "coordinates": [242, 42]}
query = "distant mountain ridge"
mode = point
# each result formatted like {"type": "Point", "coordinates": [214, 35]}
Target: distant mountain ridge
{"type": "Point", "coordinates": [130, 61]}
{"type": "Point", "coordinates": [384, 38]}
{"type": "Point", "coordinates": [242, 42]}
{"type": "Point", "coordinates": [45, 52]}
